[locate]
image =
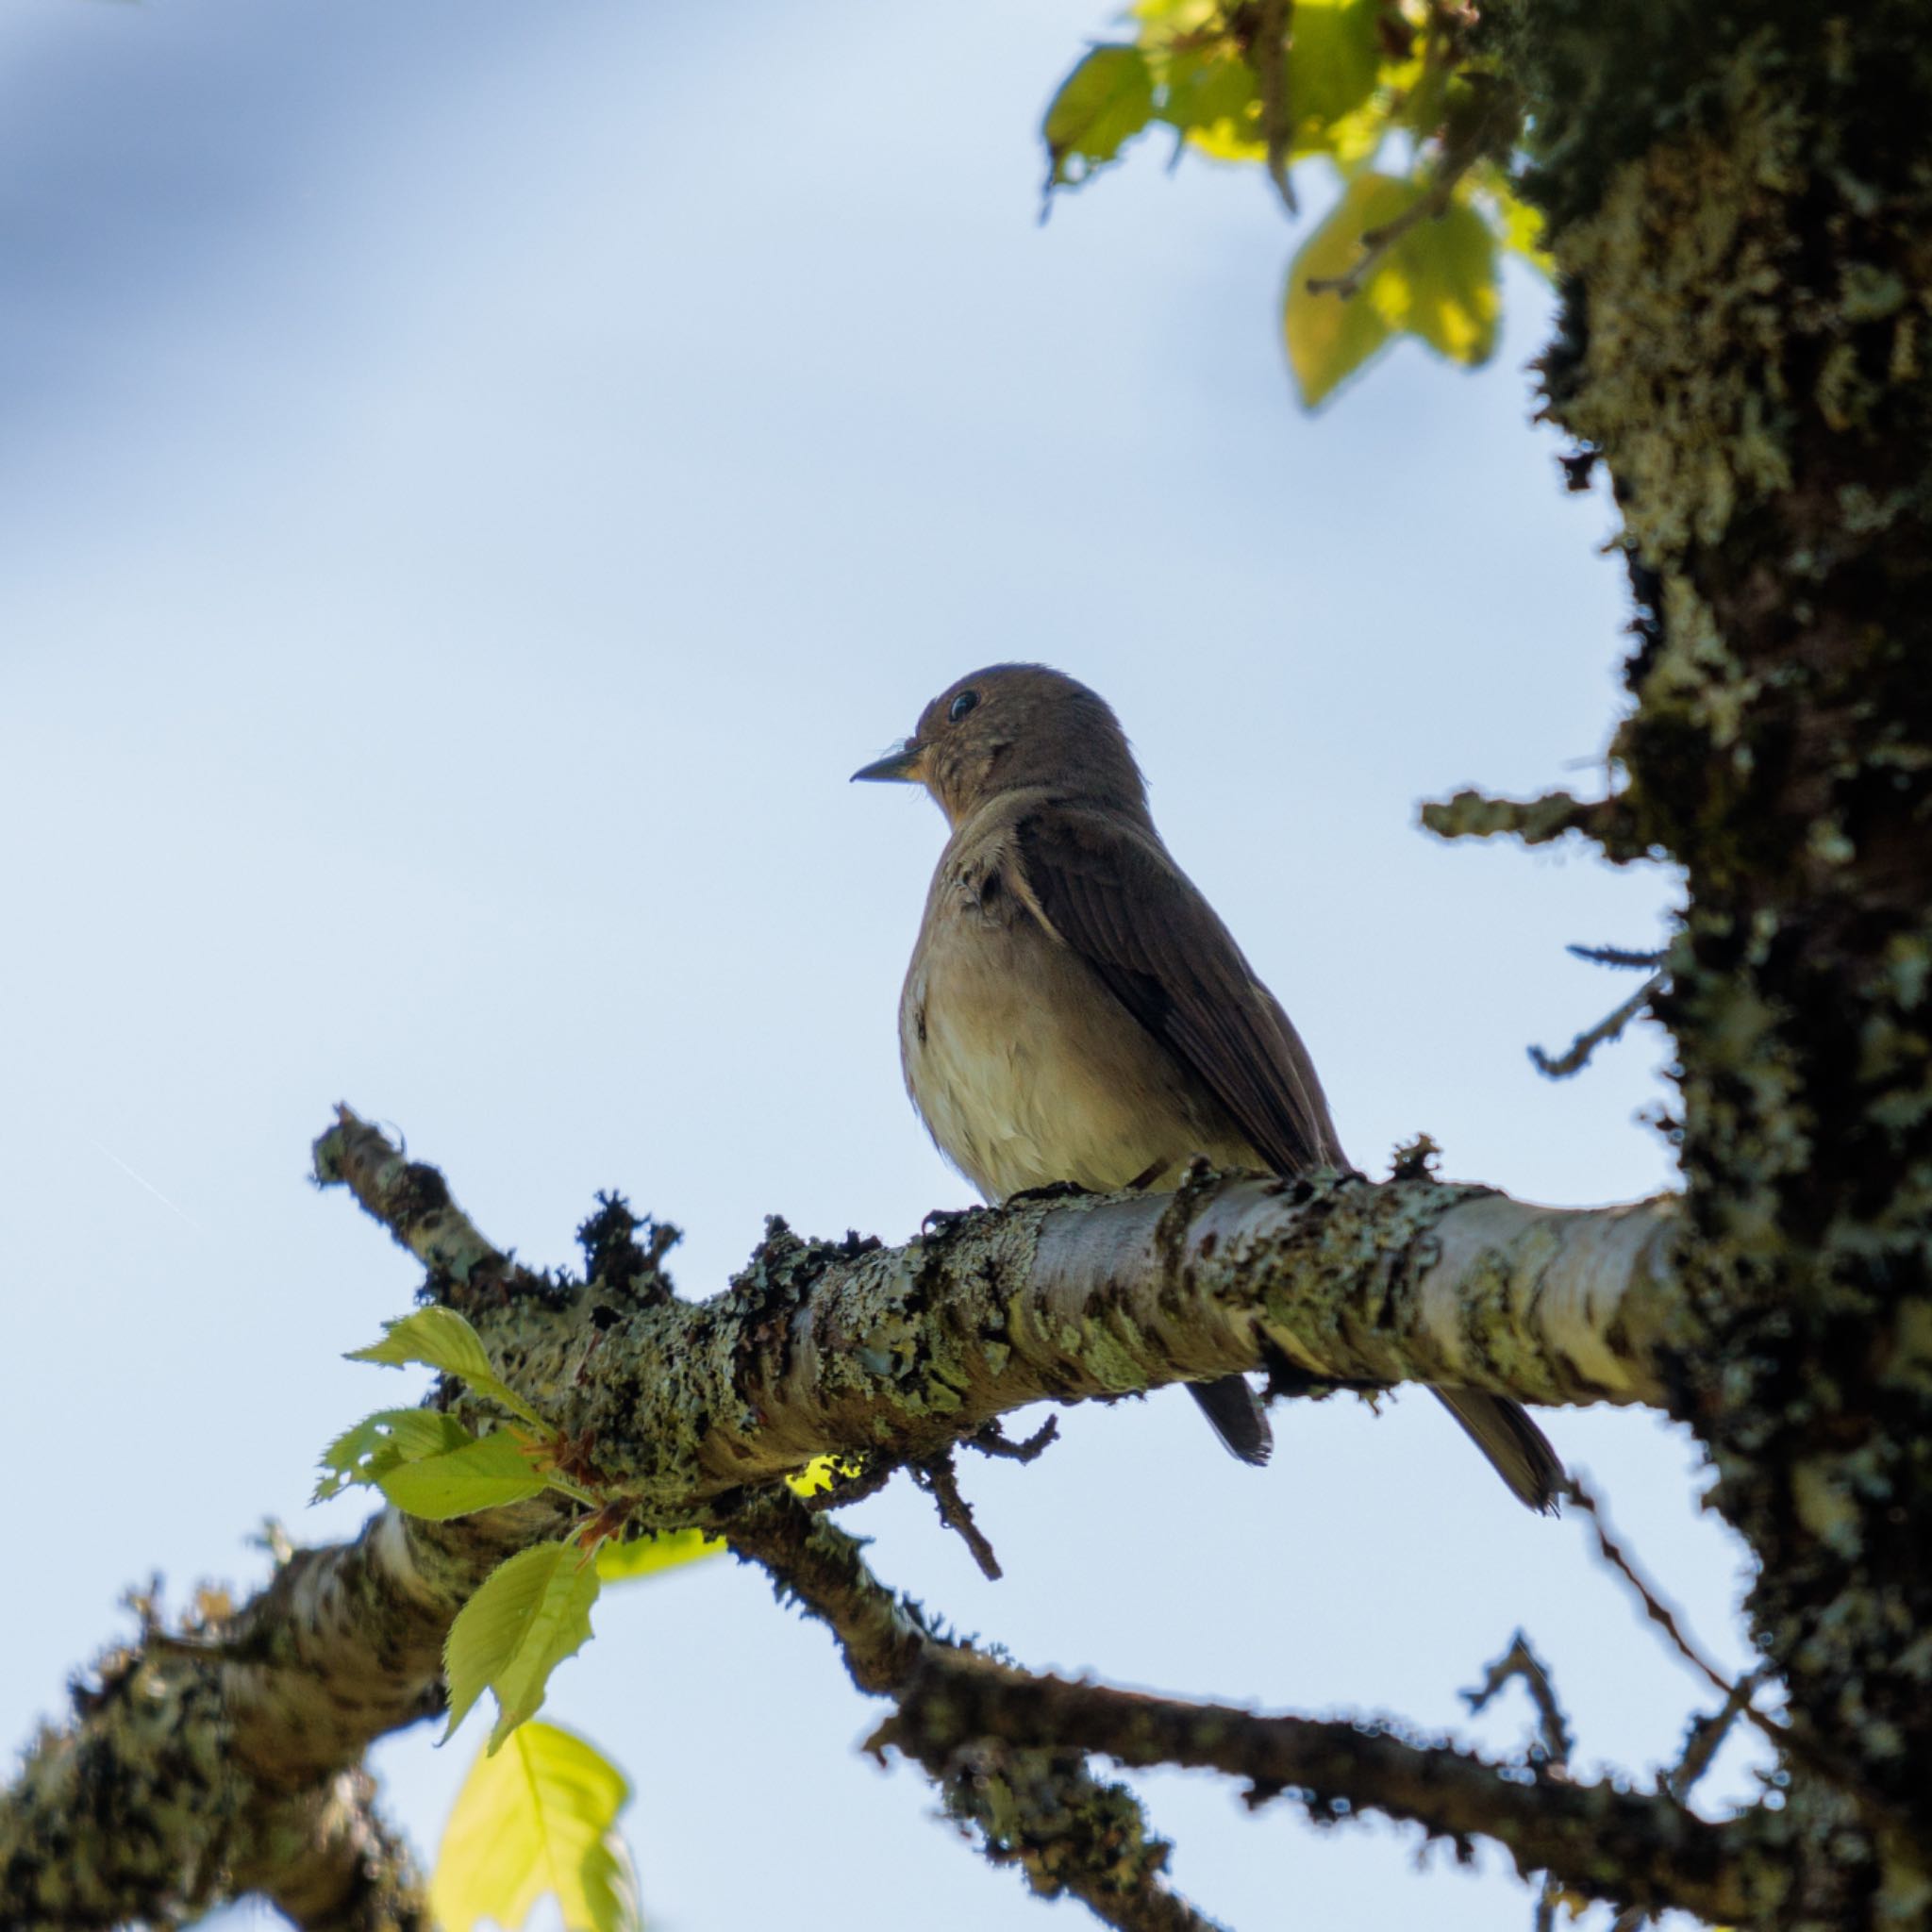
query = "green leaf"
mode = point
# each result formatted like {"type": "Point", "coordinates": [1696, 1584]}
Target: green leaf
{"type": "Point", "coordinates": [484, 1472]}
{"type": "Point", "coordinates": [1210, 96]}
{"type": "Point", "coordinates": [1330, 336]}
{"type": "Point", "coordinates": [1523, 230]}
{"type": "Point", "coordinates": [1106, 101]}
{"type": "Point", "coordinates": [536, 1819]}
{"type": "Point", "coordinates": [532, 1611]}
{"type": "Point", "coordinates": [441, 1338]}
{"type": "Point", "coordinates": [1334, 56]}
{"type": "Point", "coordinates": [1437, 280]}
{"type": "Point", "coordinates": [645, 1555]}
{"type": "Point", "coordinates": [381, 1442]}
{"type": "Point", "coordinates": [1439, 283]}
{"type": "Point", "coordinates": [819, 1473]}
{"type": "Point", "coordinates": [1165, 20]}
{"type": "Point", "coordinates": [1334, 61]}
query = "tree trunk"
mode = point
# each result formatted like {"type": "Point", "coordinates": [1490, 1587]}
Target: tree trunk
{"type": "Point", "coordinates": [1740, 209]}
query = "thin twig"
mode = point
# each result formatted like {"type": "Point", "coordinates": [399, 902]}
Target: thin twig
{"type": "Point", "coordinates": [1665, 1619]}
{"type": "Point", "coordinates": [1654, 1607]}
{"type": "Point", "coordinates": [1557, 1740]}
{"type": "Point", "coordinates": [1457, 161]}
{"type": "Point", "coordinates": [1600, 1034]}
{"type": "Point", "coordinates": [1041, 1809]}
{"type": "Point", "coordinates": [1793, 1739]}
{"type": "Point", "coordinates": [1620, 956]}
{"type": "Point", "coordinates": [940, 1481]}
{"type": "Point", "coordinates": [1603, 1842]}
{"type": "Point", "coordinates": [1268, 55]}
{"type": "Point", "coordinates": [1519, 1661]}
{"type": "Point", "coordinates": [1376, 243]}
{"type": "Point", "coordinates": [1708, 1734]}
{"type": "Point", "coordinates": [994, 1440]}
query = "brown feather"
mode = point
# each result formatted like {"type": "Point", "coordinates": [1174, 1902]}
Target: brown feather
{"type": "Point", "coordinates": [1111, 892]}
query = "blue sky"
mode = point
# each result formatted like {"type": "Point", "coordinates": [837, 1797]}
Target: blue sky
{"type": "Point", "coordinates": [475, 480]}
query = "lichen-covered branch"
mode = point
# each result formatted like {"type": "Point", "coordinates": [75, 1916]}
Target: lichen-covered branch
{"type": "Point", "coordinates": [856, 1349]}
{"type": "Point", "coordinates": [1601, 1840]}
{"type": "Point", "coordinates": [1037, 1808]}
{"type": "Point", "coordinates": [204, 1766]}
{"type": "Point", "coordinates": [1539, 821]}
{"type": "Point", "coordinates": [334, 1865]}
{"type": "Point", "coordinates": [980, 1728]}
{"type": "Point", "coordinates": [853, 1349]}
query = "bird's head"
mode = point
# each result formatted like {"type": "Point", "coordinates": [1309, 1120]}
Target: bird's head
{"type": "Point", "coordinates": [1014, 726]}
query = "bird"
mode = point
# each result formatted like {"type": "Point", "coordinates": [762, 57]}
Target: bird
{"type": "Point", "coordinates": [1076, 1012]}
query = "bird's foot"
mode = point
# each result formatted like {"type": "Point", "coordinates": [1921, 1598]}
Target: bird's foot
{"type": "Point", "coordinates": [1053, 1191]}
{"type": "Point", "coordinates": [944, 1220]}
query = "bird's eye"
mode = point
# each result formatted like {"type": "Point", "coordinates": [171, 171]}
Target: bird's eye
{"type": "Point", "coordinates": [961, 705]}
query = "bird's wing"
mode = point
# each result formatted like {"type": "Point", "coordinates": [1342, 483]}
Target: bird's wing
{"type": "Point", "coordinates": [1112, 893]}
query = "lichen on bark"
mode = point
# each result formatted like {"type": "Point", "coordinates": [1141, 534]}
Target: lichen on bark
{"type": "Point", "coordinates": [1739, 202]}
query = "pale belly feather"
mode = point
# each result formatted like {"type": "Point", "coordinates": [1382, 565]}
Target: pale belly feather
{"type": "Point", "coordinates": [1028, 1071]}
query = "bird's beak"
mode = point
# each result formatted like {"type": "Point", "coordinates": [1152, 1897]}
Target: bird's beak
{"type": "Point", "coordinates": [901, 763]}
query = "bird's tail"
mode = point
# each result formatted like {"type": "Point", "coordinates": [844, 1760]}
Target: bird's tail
{"type": "Point", "coordinates": [1235, 1410]}
{"type": "Point", "coordinates": [1519, 1452]}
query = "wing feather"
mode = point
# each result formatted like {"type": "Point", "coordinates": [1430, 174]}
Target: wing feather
{"type": "Point", "coordinates": [1110, 892]}
{"type": "Point", "coordinates": [1108, 889]}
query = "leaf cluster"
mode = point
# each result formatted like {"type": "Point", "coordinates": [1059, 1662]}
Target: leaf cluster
{"type": "Point", "coordinates": [1421, 132]}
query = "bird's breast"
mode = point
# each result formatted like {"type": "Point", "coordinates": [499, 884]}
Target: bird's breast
{"type": "Point", "coordinates": [1027, 1070]}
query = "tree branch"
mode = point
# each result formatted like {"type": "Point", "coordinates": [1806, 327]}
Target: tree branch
{"type": "Point", "coordinates": [1039, 1808]}
{"type": "Point", "coordinates": [816, 1348]}
{"type": "Point", "coordinates": [1609, 1028]}
{"type": "Point", "coordinates": [1601, 1841]}
{"type": "Point", "coordinates": [851, 1348]}
{"type": "Point", "coordinates": [199, 1769]}
{"type": "Point", "coordinates": [957, 1710]}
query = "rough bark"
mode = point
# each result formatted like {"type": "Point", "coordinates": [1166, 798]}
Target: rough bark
{"type": "Point", "coordinates": [854, 1348]}
{"type": "Point", "coordinates": [1740, 206]}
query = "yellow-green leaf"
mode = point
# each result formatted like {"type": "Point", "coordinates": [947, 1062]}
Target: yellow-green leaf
{"type": "Point", "coordinates": [484, 1472]}
{"type": "Point", "coordinates": [379, 1442]}
{"type": "Point", "coordinates": [532, 1611]}
{"type": "Point", "coordinates": [1210, 96]}
{"type": "Point", "coordinates": [536, 1820]}
{"type": "Point", "coordinates": [1163, 20]}
{"type": "Point", "coordinates": [1436, 280]}
{"type": "Point", "coordinates": [1523, 230]}
{"type": "Point", "coordinates": [441, 1338]}
{"type": "Point", "coordinates": [1330, 336]}
{"type": "Point", "coordinates": [645, 1555]}
{"type": "Point", "coordinates": [1106, 101]}
{"type": "Point", "coordinates": [1444, 270]}
{"type": "Point", "coordinates": [819, 1473]}
{"type": "Point", "coordinates": [1333, 64]}
{"type": "Point", "coordinates": [1334, 54]}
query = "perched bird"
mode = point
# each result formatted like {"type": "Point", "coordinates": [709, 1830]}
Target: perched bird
{"type": "Point", "coordinates": [1075, 1011]}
